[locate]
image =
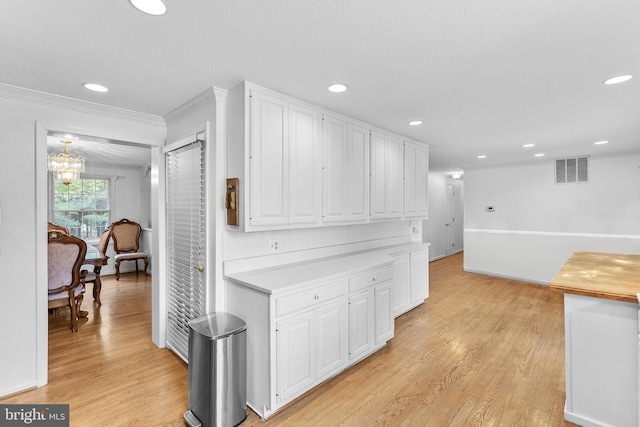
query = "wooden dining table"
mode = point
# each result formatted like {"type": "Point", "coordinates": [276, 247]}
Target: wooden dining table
{"type": "Point", "coordinates": [97, 259]}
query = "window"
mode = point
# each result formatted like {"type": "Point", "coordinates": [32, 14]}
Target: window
{"type": "Point", "coordinates": [82, 206]}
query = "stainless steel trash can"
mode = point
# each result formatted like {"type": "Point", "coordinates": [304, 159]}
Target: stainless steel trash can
{"type": "Point", "coordinates": [217, 371]}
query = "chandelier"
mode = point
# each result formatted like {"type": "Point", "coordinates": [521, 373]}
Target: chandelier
{"type": "Point", "coordinates": [66, 167]}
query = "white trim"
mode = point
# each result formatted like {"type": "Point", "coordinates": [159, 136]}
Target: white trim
{"type": "Point", "coordinates": [552, 234]}
{"type": "Point", "coordinates": [42, 320]}
{"type": "Point", "coordinates": [43, 98]}
{"type": "Point", "coordinates": [185, 109]}
{"type": "Point", "coordinates": [506, 276]}
{"type": "Point", "coordinates": [219, 186]}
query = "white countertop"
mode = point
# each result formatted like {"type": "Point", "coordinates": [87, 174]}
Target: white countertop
{"type": "Point", "coordinates": [295, 276]}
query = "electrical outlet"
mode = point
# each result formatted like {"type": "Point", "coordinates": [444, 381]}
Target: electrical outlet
{"type": "Point", "coordinates": [273, 246]}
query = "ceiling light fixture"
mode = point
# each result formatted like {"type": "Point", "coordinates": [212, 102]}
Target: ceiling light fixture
{"type": "Point", "coordinates": [539, 154]}
{"type": "Point", "coordinates": [337, 87]}
{"type": "Point", "coordinates": [482, 156]}
{"type": "Point", "coordinates": [415, 122]}
{"type": "Point", "coordinates": [528, 145]}
{"type": "Point", "coordinates": [601, 142]}
{"type": "Point", "coordinates": [618, 79]}
{"type": "Point", "coordinates": [150, 7]}
{"type": "Point", "coordinates": [64, 166]}
{"type": "Point", "coordinates": [95, 87]}
{"type": "Point", "coordinates": [456, 175]}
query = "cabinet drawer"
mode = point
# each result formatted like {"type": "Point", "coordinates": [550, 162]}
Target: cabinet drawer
{"type": "Point", "coordinates": [370, 279]}
{"type": "Point", "coordinates": [309, 298]}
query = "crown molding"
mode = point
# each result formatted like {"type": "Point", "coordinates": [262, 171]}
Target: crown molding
{"type": "Point", "coordinates": [58, 101]}
{"type": "Point", "coordinates": [184, 109]}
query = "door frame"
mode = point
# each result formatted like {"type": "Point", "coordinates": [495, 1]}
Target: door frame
{"type": "Point", "coordinates": [42, 320]}
{"type": "Point", "coordinates": [450, 209]}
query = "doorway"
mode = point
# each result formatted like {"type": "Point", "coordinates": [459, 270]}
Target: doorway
{"type": "Point", "coordinates": [103, 147]}
{"type": "Point", "coordinates": [449, 228]}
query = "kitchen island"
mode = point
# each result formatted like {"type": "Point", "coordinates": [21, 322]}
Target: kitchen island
{"type": "Point", "coordinates": [601, 337]}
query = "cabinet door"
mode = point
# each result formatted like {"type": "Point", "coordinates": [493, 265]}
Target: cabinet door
{"type": "Point", "coordinates": [331, 338]}
{"type": "Point", "coordinates": [295, 356]}
{"type": "Point", "coordinates": [268, 159]}
{"type": "Point", "coordinates": [419, 275]}
{"type": "Point", "coordinates": [305, 173]}
{"type": "Point", "coordinates": [361, 328]}
{"type": "Point", "coordinates": [383, 322]}
{"type": "Point", "coordinates": [394, 179]}
{"type": "Point", "coordinates": [357, 173]}
{"type": "Point", "coordinates": [387, 187]}
{"type": "Point", "coordinates": [378, 206]}
{"type": "Point", "coordinates": [416, 170]}
{"type": "Point", "coordinates": [401, 293]}
{"type": "Point", "coordinates": [334, 177]}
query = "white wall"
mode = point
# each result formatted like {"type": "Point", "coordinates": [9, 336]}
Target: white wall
{"type": "Point", "coordinates": [538, 224]}
{"type": "Point", "coordinates": [23, 288]}
{"type": "Point", "coordinates": [239, 245]}
{"type": "Point", "coordinates": [433, 229]}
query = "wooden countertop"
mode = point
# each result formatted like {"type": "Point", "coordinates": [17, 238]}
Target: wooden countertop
{"type": "Point", "coordinates": [600, 275]}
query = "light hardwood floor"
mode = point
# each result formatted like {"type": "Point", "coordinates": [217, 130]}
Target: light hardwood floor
{"type": "Point", "coordinates": [481, 351]}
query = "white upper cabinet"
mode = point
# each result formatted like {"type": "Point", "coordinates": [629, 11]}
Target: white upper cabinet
{"type": "Point", "coordinates": [386, 176]}
{"type": "Point", "coordinates": [416, 170]}
{"type": "Point", "coordinates": [357, 173]}
{"type": "Point", "coordinates": [305, 173]}
{"type": "Point", "coordinates": [300, 166]}
{"type": "Point", "coordinates": [269, 160]}
{"type": "Point", "coordinates": [334, 169]}
{"type": "Point", "coordinates": [275, 148]}
{"type": "Point", "coordinates": [345, 171]}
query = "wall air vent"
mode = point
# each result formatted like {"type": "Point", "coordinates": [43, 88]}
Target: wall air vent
{"type": "Point", "coordinates": [574, 169]}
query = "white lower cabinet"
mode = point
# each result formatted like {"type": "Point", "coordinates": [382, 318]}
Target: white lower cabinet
{"type": "Point", "coordinates": [360, 323]}
{"type": "Point", "coordinates": [410, 280]}
{"type": "Point", "coordinates": [309, 346]}
{"type": "Point", "coordinates": [419, 276]}
{"type": "Point", "coordinates": [370, 312]}
{"type": "Point", "coordinates": [383, 322]}
{"type": "Point", "coordinates": [300, 337]}
{"type": "Point", "coordinates": [401, 284]}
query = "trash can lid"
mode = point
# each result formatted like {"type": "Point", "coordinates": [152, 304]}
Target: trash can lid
{"type": "Point", "coordinates": [217, 325]}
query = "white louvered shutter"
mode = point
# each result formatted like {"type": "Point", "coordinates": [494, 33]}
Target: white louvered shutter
{"type": "Point", "coordinates": [185, 242]}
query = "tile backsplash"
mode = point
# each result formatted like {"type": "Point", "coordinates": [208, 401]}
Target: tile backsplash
{"type": "Point", "coordinates": [239, 245]}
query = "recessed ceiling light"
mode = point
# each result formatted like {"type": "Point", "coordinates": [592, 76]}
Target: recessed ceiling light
{"type": "Point", "coordinates": [539, 154]}
{"type": "Point", "coordinates": [482, 156]}
{"type": "Point", "coordinates": [337, 87]}
{"type": "Point", "coordinates": [618, 79]}
{"type": "Point", "coordinates": [528, 145]}
{"type": "Point", "coordinates": [95, 87]}
{"type": "Point", "coordinates": [415, 122]}
{"type": "Point", "coordinates": [601, 142]}
{"type": "Point", "coordinates": [150, 7]}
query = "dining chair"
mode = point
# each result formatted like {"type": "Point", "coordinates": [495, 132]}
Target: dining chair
{"type": "Point", "coordinates": [94, 276]}
{"type": "Point", "coordinates": [66, 283]}
{"type": "Point", "coordinates": [126, 243]}
{"type": "Point", "coordinates": [55, 227]}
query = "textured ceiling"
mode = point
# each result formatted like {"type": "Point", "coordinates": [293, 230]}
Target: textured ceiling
{"type": "Point", "coordinates": [485, 76]}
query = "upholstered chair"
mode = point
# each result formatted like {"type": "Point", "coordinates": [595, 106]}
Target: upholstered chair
{"type": "Point", "coordinates": [94, 276]}
{"type": "Point", "coordinates": [126, 243]}
{"type": "Point", "coordinates": [66, 283]}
